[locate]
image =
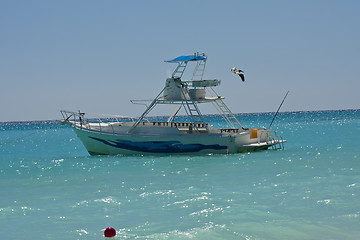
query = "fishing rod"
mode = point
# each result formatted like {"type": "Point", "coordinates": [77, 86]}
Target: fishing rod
{"type": "Point", "coordinates": [278, 109]}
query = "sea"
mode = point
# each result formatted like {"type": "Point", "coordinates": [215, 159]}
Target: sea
{"type": "Point", "coordinates": [51, 188]}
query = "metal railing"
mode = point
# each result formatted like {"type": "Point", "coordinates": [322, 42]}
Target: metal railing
{"type": "Point", "coordinates": [94, 123]}
{"type": "Point", "coordinates": [276, 141]}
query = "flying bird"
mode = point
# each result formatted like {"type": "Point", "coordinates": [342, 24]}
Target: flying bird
{"type": "Point", "coordinates": [238, 72]}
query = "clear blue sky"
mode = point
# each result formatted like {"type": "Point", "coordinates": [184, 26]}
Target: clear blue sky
{"type": "Point", "coordinates": [97, 55]}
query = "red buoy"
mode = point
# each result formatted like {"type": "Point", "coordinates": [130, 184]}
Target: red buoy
{"type": "Point", "coordinates": [109, 232]}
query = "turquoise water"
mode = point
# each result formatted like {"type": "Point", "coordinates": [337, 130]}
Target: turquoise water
{"type": "Point", "coordinates": [50, 188]}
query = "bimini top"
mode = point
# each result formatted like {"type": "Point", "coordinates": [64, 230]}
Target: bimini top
{"type": "Point", "coordinates": [195, 57]}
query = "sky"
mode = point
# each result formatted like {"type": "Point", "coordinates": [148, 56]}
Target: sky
{"type": "Point", "coordinates": [95, 56]}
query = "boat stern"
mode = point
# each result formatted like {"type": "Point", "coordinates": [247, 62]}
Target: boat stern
{"type": "Point", "coordinates": [255, 139]}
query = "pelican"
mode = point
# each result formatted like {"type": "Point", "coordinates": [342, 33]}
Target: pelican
{"type": "Point", "coordinates": [239, 72]}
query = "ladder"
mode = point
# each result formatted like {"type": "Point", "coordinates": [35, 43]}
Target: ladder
{"type": "Point", "coordinates": [192, 110]}
{"type": "Point", "coordinates": [179, 71]}
{"type": "Point", "coordinates": [278, 142]}
{"type": "Point", "coordinates": [199, 70]}
{"type": "Point", "coordinates": [225, 112]}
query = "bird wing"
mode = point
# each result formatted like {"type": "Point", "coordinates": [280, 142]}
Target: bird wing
{"type": "Point", "coordinates": [242, 77]}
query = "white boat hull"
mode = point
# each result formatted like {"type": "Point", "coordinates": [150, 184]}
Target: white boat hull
{"type": "Point", "coordinates": [103, 143]}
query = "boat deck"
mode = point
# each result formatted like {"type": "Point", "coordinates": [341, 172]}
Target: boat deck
{"type": "Point", "coordinates": [184, 127]}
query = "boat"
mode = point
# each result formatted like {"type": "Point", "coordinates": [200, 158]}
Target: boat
{"type": "Point", "coordinates": [191, 135]}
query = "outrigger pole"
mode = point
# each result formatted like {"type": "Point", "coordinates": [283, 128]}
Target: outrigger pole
{"type": "Point", "coordinates": [278, 109]}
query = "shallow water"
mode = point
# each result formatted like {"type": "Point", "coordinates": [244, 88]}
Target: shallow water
{"type": "Point", "coordinates": [50, 188]}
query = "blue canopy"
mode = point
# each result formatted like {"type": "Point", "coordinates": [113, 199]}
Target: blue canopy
{"type": "Point", "coordinates": [187, 58]}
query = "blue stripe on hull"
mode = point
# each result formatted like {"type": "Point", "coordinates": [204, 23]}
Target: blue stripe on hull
{"type": "Point", "coordinates": [159, 146]}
